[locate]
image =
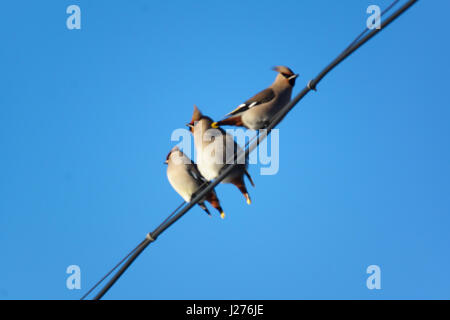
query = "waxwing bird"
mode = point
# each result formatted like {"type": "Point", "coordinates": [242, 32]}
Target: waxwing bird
{"type": "Point", "coordinates": [216, 150]}
{"type": "Point", "coordinates": [257, 112]}
{"type": "Point", "coordinates": [185, 178]}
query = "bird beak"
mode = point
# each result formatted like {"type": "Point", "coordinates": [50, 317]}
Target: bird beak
{"type": "Point", "coordinates": [166, 162]}
{"type": "Point", "coordinates": [215, 125]}
{"type": "Point", "coordinates": [191, 127]}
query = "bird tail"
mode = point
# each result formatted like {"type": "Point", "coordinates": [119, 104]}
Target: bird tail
{"type": "Point", "coordinates": [202, 205]}
{"type": "Point", "coordinates": [249, 178]}
{"type": "Point", "coordinates": [212, 198]}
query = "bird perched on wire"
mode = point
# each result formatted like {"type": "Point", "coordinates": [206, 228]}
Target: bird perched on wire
{"type": "Point", "coordinates": [216, 150]}
{"type": "Point", "coordinates": [185, 178]}
{"type": "Point", "coordinates": [257, 112]}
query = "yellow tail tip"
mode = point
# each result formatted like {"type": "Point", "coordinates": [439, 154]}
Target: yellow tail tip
{"type": "Point", "coordinates": [215, 125]}
{"type": "Point", "coordinates": [249, 202]}
{"type": "Point", "coordinates": [222, 215]}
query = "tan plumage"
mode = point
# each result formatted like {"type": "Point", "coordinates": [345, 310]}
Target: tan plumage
{"type": "Point", "coordinates": [257, 112]}
{"type": "Point", "coordinates": [216, 150]}
{"type": "Point", "coordinates": [185, 178]}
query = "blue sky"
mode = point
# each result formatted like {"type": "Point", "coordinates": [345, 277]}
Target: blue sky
{"type": "Point", "coordinates": [85, 123]}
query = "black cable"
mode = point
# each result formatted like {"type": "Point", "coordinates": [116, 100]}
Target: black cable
{"type": "Point", "coordinates": [367, 29]}
{"type": "Point", "coordinates": [127, 264]}
{"type": "Point", "coordinates": [126, 257]}
{"type": "Point", "coordinates": [156, 231]}
{"type": "Point", "coordinates": [349, 51]}
{"type": "Point", "coordinates": [111, 271]}
{"type": "Point", "coordinates": [152, 236]}
{"type": "Point", "coordinates": [179, 207]}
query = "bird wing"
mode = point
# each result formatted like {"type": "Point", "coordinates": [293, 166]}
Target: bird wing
{"type": "Point", "coordinates": [193, 171]}
{"type": "Point", "coordinates": [260, 98]}
{"type": "Point", "coordinates": [232, 148]}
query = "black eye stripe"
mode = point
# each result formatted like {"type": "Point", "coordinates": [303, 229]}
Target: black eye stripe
{"type": "Point", "coordinates": [292, 82]}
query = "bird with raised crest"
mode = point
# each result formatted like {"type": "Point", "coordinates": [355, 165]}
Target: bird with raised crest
{"type": "Point", "coordinates": [216, 150]}
{"type": "Point", "coordinates": [185, 178]}
{"type": "Point", "coordinates": [257, 112]}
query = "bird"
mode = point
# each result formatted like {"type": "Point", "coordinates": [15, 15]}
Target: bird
{"type": "Point", "coordinates": [215, 151]}
{"type": "Point", "coordinates": [257, 112]}
{"type": "Point", "coordinates": [185, 178]}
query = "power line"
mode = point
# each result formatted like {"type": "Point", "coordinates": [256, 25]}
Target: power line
{"type": "Point", "coordinates": [112, 270]}
{"type": "Point", "coordinates": [126, 257]}
{"type": "Point", "coordinates": [389, 7]}
{"type": "Point", "coordinates": [312, 85]}
{"type": "Point", "coordinates": [152, 236]}
{"type": "Point", "coordinates": [204, 184]}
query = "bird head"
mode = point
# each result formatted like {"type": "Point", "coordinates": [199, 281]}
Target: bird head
{"type": "Point", "coordinates": [286, 74]}
{"type": "Point", "coordinates": [174, 149]}
{"type": "Point", "coordinates": [198, 117]}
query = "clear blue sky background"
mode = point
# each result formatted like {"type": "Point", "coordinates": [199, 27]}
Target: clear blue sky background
{"type": "Point", "coordinates": [85, 124]}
